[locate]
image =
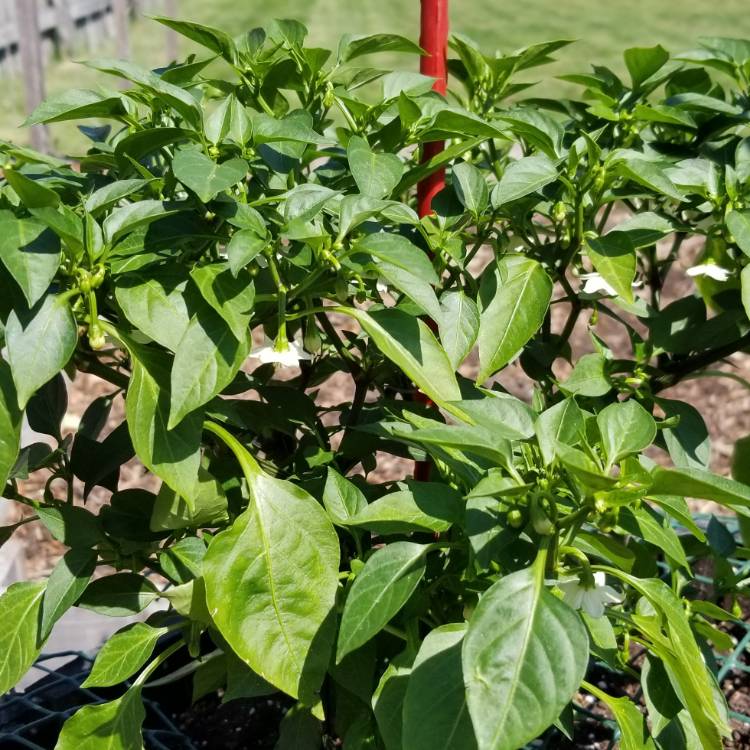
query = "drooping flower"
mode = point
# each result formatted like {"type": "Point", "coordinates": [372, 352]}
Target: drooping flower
{"type": "Point", "coordinates": [595, 283]}
{"type": "Point", "coordinates": [712, 270]}
{"type": "Point", "coordinates": [281, 352]}
{"type": "Point", "coordinates": [591, 596]}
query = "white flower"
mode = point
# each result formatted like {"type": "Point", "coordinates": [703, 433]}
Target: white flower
{"type": "Point", "coordinates": [594, 283]}
{"type": "Point", "coordinates": [285, 353]}
{"type": "Point", "coordinates": [382, 286]}
{"type": "Point", "coordinates": [713, 271]}
{"type": "Point", "coordinates": [590, 598]}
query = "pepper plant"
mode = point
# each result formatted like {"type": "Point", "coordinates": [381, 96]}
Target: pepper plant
{"type": "Point", "coordinates": [239, 235]}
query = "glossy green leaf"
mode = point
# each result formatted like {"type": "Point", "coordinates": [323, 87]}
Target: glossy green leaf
{"type": "Point", "coordinates": [562, 423]}
{"type": "Point", "coordinates": [206, 360]}
{"type": "Point", "coordinates": [435, 713]}
{"type": "Point", "coordinates": [634, 733]}
{"type": "Point", "coordinates": [738, 223]}
{"type": "Point", "coordinates": [49, 321]}
{"type": "Point", "coordinates": [30, 252]}
{"type": "Point", "coordinates": [471, 188]}
{"type": "Point", "coordinates": [352, 46]}
{"type": "Point", "coordinates": [424, 506]}
{"type": "Point", "coordinates": [119, 595]}
{"type": "Point", "coordinates": [626, 428]}
{"type": "Point", "coordinates": [458, 325]}
{"type": "Point", "coordinates": [20, 605]}
{"type": "Point", "coordinates": [212, 39]}
{"type": "Point", "coordinates": [698, 483]}
{"type": "Point", "coordinates": [204, 176]}
{"type": "Point", "coordinates": [173, 455]}
{"type": "Point", "coordinates": [115, 725]}
{"type": "Point", "coordinates": [156, 303]}
{"type": "Point", "coordinates": [274, 618]}
{"type": "Point", "coordinates": [231, 294]}
{"type": "Point", "coordinates": [522, 177]}
{"type": "Point", "coordinates": [376, 174]}
{"type": "Point", "coordinates": [643, 62]}
{"type": "Point", "coordinates": [688, 441]}
{"type": "Point", "coordinates": [342, 499]}
{"type": "Point", "coordinates": [66, 583]}
{"type": "Point", "coordinates": [78, 104]}
{"type": "Point", "coordinates": [11, 419]}
{"type": "Point", "coordinates": [515, 299]}
{"type": "Point", "coordinates": [379, 591]}
{"type": "Point", "coordinates": [613, 256]}
{"type": "Point", "coordinates": [410, 344]}
{"type": "Point", "coordinates": [524, 656]}
{"type": "Point", "coordinates": [589, 377]}
{"type": "Point", "coordinates": [123, 654]}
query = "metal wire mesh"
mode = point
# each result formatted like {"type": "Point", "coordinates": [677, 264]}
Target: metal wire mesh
{"type": "Point", "coordinates": [32, 719]}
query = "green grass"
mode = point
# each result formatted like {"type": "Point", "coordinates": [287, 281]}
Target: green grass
{"type": "Point", "coordinates": [603, 29]}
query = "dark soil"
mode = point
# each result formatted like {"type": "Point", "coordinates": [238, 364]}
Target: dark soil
{"type": "Point", "coordinates": [245, 724]}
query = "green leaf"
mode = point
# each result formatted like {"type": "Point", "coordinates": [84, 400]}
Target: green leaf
{"type": "Point", "coordinates": [697, 483]}
{"type": "Point", "coordinates": [588, 378]}
{"type": "Point", "coordinates": [123, 654]}
{"type": "Point", "coordinates": [471, 188]}
{"type": "Point", "coordinates": [738, 223]}
{"type": "Point", "coordinates": [342, 499]}
{"type": "Point", "coordinates": [389, 577]}
{"type": "Point", "coordinates": [522, 177]}
{"type": "Point", "coordinates": [114, 192]}
{"type": "Point", "coordinates": [650, 174]}
{"type": "Point", "coordinates": [271, 581]}
{"type": "Point", "coordinates": [30, 252]}
{"type": "Point", "coordinates": [661, 700]}
{"type": "Point", "coordinates": [11, 418]}
{"type": "Point", "coordinates": [204, 176]}
{"type": "Point", "coordinates": [458, 325]}
{"type": "Point", "coordinates": [352, 46]}
{"type": "Point", "coordinates": [643, 62]}
{"type": "Point", "coordinates": [127, 218]}
{"type": "Point", "coordinates": [212, 39]}
{"type": "Point", "coordinates": [115, 725]}
{"type": "Point", "coordinates": [435, 713]}
{"type": "Point", "coordinates": [119, 595]}
{"type": "Point", "coordinates": [388, 701]}
{"type": "Point", "coordinates": [376, 175]}
{"type": "Point", "coordinates": [515, 299]}
{"type": "Point", "coordinates": [156, 303]}
{"type": "Point", "coordinates": [299, 730]}
{"type": "Point", "coordinates": [231, 294]}
{"type": "Point", "coordinates": [561, 423]}
{"type": "Point", "coordinates": [33, 193]}
{"type": "Point", "coordinates": [66, 583]}
{"type": "Point", "coordinates": [633, 730]}
{"type": "Point", "coordinates": [625, 428]}
{"type": "Point", "coordinates": [688, 442]}
{"type": "Point", "coordinates": [207, 506]}
{"type": "Point", "coordinates": [50, 321]}
{"type": "Point", "coordinates": [173, 455]}
{"type": "Point", "coordinates": [424, 506]}
{"type": "Point", "coordinates": [399, 252]}
{"type": "Point", "coordinates": [243, 246]}
{"type": "Point", "coordinates": [409, 343]}
{"type": "Point", "coordinates": [524, 656]}
{"type": "Point", "coordinates": [613, 256]}
{"type": "Point", "coordinates": [78, 104]}
{"type": "Point", "coordinates": [19, 637]}
{"type": "Point", "coordinates": [205, 362]}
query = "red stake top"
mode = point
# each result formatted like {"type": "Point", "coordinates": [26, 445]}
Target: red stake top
{"type": "Point", "coordinates": [433, 39]}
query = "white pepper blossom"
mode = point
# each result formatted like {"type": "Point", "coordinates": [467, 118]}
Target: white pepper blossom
{"type": "Point", "coordinates": [595, 283]}
{"type": "Point", "coordinates": [590, 597]}
{"type": "Point", "coordinates": [285, 353]}
{"type": "Point", "coordinates": [712, 270]}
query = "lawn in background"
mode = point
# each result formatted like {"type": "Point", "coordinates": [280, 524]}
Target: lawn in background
{"type": "Point", "coordinates": [603, 29]}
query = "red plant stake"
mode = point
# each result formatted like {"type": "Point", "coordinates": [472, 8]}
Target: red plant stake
{"type": "Point", "coordinates": [433, 39]}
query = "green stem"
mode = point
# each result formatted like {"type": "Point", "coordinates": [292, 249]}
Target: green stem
{"type": "Point", "coordinates": [157, 662]}
{"type": "Point", "coordinates": [250, 467]}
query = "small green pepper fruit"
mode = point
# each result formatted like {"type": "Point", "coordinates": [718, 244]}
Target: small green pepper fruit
{"type": "Point", "coordinates": [539, 518]}
{"type": "Point", "coordinates": [515, 518]}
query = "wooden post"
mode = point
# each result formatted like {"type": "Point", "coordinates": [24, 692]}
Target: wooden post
{"type": "Point", "coordinates": [172, 47]}
{"type": "Point", "coordinates": [30, 45]}
{"type": "Point", "coordinates": [121, 17]}
{"type": "Point", "coordinates": [65, 27]}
